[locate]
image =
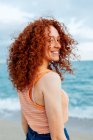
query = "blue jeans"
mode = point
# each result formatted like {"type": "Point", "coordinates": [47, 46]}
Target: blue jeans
{"type": "Point", "coordinates": [33, 135]}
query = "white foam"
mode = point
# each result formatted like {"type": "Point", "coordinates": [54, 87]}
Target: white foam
{"type": "Point", "coordinates": [9, 104]}
{"type": "Point", "coordinates": [81, 112]}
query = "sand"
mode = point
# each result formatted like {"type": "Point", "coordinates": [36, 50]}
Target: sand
{"type": "Point", "coordinates": [11, 130]}
{"type": "Point", "coordinates": [78, 129]}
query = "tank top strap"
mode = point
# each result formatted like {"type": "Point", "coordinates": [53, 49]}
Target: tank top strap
{"type": "Point", "coordinates": [31, 88]}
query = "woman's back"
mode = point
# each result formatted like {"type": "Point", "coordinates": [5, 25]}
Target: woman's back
{"type": "Point", "coordinates": [33, 106]}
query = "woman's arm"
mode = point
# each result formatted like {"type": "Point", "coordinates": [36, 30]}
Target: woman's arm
{"type": "Point", "coordinates": [53, 105]}
{"type": "Point", "coordinates": [24, 123]}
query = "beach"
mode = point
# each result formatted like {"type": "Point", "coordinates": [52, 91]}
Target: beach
{"type": "Point", "coordinates": [11, 130]}
{"type": "Point", "coordinates": [78, 129]}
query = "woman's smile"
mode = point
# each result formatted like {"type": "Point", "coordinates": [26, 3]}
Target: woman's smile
{"type": "Point", "coordinates": [55, 53]}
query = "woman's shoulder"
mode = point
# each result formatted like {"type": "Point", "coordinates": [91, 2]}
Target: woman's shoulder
{"type": "Point", "coordinates": [48, 79]}
{"type": "Point", "coordinates": [51, 78]}
{"type": "Point", "coordinates": [51, 74]}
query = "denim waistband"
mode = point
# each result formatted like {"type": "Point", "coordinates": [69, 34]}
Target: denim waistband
{"type": "Point", "coordinates": [33, 135]}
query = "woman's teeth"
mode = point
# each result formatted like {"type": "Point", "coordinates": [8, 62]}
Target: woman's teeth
{"type": "Point", "coordinates": [55, 53]}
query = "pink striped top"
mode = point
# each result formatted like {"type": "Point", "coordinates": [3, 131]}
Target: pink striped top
{"type": "Point", "coordinates": [34, 113]}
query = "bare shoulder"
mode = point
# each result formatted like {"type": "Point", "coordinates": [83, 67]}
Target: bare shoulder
{"type": "Point", "coordinates": [51, 81]}
{"type": "Point", "coordinates": [48, 80]}
{"type": "Point", "coordinates": [51, 76]}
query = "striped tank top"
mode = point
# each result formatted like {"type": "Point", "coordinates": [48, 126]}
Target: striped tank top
{"type": "Point", "coordinates": [34, 113]}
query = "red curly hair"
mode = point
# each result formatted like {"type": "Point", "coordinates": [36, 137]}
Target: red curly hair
{"type": "Point", "coordinates": [25, 53]}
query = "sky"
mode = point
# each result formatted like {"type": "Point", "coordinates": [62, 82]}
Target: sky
{"type": "Point", "coordinates": [76, 15]}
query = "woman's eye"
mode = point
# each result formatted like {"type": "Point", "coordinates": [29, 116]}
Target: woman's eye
{"type": "Point", "coordinates": [52, 40]}
{"type": "Point", "coordinates": [58, 40]}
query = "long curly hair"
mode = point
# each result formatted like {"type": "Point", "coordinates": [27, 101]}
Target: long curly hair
{"type": "Point", "coordinates": [25, 53]}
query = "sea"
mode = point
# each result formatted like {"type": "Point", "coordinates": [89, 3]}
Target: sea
{"type": "Point", "coordinates": [79, 87]}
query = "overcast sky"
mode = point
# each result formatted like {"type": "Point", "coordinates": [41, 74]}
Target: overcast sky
{"type": "Point", "coordinates": [76, 15]}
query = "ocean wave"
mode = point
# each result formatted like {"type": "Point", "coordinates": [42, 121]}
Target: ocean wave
{"type": "Point", "coordinates": [84, 112]}
{"type": "Point", "coordinates": [9, 104]}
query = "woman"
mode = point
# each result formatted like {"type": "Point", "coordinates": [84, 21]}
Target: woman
{"type": "Point", "coordinates": [37, 60]}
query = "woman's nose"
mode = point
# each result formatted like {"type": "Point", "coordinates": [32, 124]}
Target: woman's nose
{"type": "Point", "coordinates": [58, 45]}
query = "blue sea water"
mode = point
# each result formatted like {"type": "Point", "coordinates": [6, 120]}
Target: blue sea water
{"type": "Point", "coordinates": [79, 88]}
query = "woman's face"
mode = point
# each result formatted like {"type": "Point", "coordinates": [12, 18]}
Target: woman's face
{"type": "Point", "coordinates": [53, 45]}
